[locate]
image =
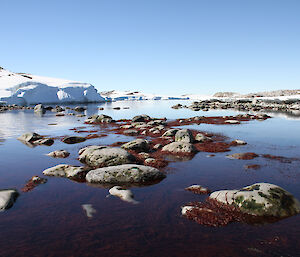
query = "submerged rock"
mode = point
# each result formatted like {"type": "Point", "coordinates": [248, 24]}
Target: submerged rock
{"type": "Point", "coordinates": [7, 198]}
{"type": "Point", "coordinates": [126, 173]}
{"type": "Point", "coordinates": [73, 140]}
{"type": "Point", "coordinates": [89, 210]}
{"type": "Point", "coordinates": [99, 156]}
{"type": "Point", "coordinates": [184, 135]}
{"type": "Point", "coordinates": [197, 189]}
{"type": "Point", "coordinates": [124, 194]}
{"type": "Point", "coordinates": [179, 147]}
{"type": "Point", "coordinates": [33, 182]}
{"type": "Point", "coordinates": [64, 170]}
{"type": "Point", "coordinates": [59, 154]}
{"type": "Point", "coordinates": [137, 145]}
{"type": "Point", "coordinates": [242, 156]}
{"type": "Point", "coordinates": [261, 199]}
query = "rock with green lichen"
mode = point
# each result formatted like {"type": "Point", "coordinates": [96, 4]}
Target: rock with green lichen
{"type": "Point", "coordinates": [179, 147]}
{"type": "Point", "coordinates": [261, 199]}
{"type": "Point", "coordinates": [170, 133]}
{"type": "Point", "coordinates": [101, 156]}
{"type": "Point", "coordinates": [137, 145]}
{"type": "Point", "coordinates": [124, 174]}
{"type": "Point", "coordinates": [184, 135]}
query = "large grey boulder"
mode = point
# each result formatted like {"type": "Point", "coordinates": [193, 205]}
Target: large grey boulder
{"type": "Point", "coordinates": [39, 109]}
{"type": "Point", "coordinates": [179, 147]}
{"type": "Point", "coordinates": [97, 156]}
{"type": "Point", "coordinates": [99, 119]}
{"type": "Point", "coordinates": [184, 135]}
{"type": "Point", "coordinates": [260, 199]}
{"type": "Point", "coordinates": [64, 170]}
{"type": "Point", "coordinates": [123, 174]}
{"type": "Point", "coordinates": [7, 198]}
{"type": "Point", "coordinates": [140, 145]}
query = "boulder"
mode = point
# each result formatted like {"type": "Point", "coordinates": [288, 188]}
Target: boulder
{"type": "Point", "coordinates": [79, 109]}
{"type": "Point", "coordinates": [184, 135]}
{"type": "Point", "coordinates": [99, 119]}
{"type": "Point", "coordinates": [44, 141]}
{"type": "Point", "coordinates": [140, 145]}
{"type": "Point", "coordinates": [123, 174]}
{"type": "Point", "coordinates": [260, 199]}
{"type": "Point", "coordinates": [179, 147]}
{"type": "Point", "coordinates": [73, 140]}
{"type": "Point", "coordinates": [7, 198]}
{"type": "Point", "coordinates": [64, 170]}
{"type": "Point", "coordinates": [130, 132]}
{"type": "Point", "coordinates": [39, 109]}
{"type": "Point", "coordinates": [30, 137]}
{"type": "Point", "coordinates": [170, 133]}
{"type": "Point", "coordinates": [57, 109]}
{"type": "Point", "coordinates": [59, 154]}
{"type": "Point", "coordinates": [141, 118]}
{"type": "Point", "coordinates": [239, 142]}
{"type": "Point", "coordinates": [97, 156]}
{"type": "Point", "coordinates": [202, 138]}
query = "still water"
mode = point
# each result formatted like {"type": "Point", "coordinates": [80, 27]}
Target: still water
{"type": "Point", "coordinates": [50, 220]}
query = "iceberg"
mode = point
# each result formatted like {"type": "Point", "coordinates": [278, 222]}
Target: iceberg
{"type": "Point", "coordinates": [27, 89]}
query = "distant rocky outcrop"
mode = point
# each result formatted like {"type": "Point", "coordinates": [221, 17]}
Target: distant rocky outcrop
{"type": "Point", "coordinates": [226, 94]}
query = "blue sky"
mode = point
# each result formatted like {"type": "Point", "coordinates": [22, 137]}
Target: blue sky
{"type": "Point", "coordinates": [156, 46]}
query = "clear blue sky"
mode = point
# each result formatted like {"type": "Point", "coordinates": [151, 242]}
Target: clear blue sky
{"type": "Point", "coordinates": [159, 46]}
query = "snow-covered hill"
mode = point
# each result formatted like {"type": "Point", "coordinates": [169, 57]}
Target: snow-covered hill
{"type": "Point", "coordinates": [24, 89]}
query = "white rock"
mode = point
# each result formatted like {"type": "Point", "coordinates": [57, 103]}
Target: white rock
{"type": "Point", "coordinates": [124, 194]}
{"type": "Point", "coordinates": [232, 121]}
{"type": "Point", "coordinates": [64, 170]}
{"type": "Point", "coordinates": [89, 210]}
{"type": "Point", "coordinates": [7, 198]}
{"type": "Point", "coordinates": [126, 173]}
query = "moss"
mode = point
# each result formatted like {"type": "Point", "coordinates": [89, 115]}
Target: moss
{"type": "Point", "coordinates": [251, 206]}
{"type": "Point", "coordinates": [239, 199]}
